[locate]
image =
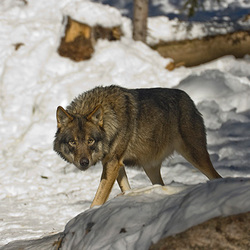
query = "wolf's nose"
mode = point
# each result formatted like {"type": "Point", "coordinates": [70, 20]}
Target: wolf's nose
{"type": "Point", "coordinates": [84, 162]}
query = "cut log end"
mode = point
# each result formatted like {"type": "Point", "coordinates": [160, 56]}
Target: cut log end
{"type": "Point", "coordinates": [79, 39]}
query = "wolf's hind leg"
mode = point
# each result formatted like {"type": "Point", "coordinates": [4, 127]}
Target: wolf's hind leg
{"type": "Point", "coordinates": [154, 174]}
{"type": "Point", "coordinates": [198, 156]}
{"type": "Point", "coordinates": [122, 180]}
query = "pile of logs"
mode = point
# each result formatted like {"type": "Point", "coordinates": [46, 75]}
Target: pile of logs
{"type": "Point", "coordinates": [79, 41]}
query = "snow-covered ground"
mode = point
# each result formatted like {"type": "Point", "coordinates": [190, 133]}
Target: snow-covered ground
{"type": "Point", "coordinates": [39, 193]}
{"type": "Point", "coordinates": [143, 216]}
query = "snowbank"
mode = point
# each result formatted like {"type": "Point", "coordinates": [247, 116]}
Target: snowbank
{"type": "Point", "coordinates": [138, 219]}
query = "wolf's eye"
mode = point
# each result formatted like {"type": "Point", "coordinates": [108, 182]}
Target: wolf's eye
{"type": "Point", "coordinates": [72, 143]}
{"type": "Point", "coordinates": [91, 141]}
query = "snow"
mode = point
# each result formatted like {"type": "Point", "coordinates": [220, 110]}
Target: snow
{"type": "Point", "coordinates": [40, 193]}
{"type": "Point", "coordinates": [158, 212]}
{"type": "Point", "coordinates": [133, 225]}
{"type": "Point", "coordinates": [99, 14]}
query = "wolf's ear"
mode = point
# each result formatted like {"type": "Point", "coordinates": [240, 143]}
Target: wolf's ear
{"type": "Point", "coordinates": [62, 117]}
{"type": "Point", "coordinates": [96, 116]}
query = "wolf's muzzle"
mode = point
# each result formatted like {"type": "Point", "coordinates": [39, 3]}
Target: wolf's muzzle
{"type": "Point", "coordinates": [84, 162]}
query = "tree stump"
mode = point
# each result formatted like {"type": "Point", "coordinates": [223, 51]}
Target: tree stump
{"type": "Point", "coordinates": [80, 38]}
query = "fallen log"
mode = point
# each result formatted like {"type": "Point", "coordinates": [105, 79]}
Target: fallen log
{"type": "Point", "coordinates": [198, 51]}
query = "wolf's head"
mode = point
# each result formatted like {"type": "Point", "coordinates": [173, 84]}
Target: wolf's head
{"type": "Point", "coordinates": [79, 139]}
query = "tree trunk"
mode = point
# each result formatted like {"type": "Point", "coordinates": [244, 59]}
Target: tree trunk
{"type": "Point", "coordinates": [140, 20]}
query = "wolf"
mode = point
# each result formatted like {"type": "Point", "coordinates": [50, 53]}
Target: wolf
{"type": "Point", "coordinates": [131, 127]}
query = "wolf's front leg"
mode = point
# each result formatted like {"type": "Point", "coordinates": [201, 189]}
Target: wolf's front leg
{"type": "Point", "coordinates": [109, 175]}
